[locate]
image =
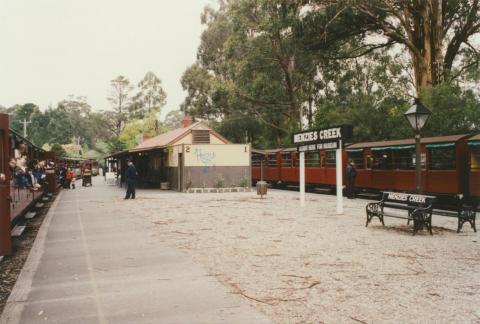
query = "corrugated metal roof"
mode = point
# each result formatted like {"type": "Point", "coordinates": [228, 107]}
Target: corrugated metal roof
{"type": "Point", "coordinates": [168, 138]}
{"type": "Point", "coordinates": [411, 141]}
{"type": "Point", "coordinates": [163, 139]}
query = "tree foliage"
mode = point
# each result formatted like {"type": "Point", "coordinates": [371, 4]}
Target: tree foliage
{"type": "Point", "coordinates": [150, 97]}
{"type": "Point", "coordinates": [120, 99]}
{"type": "Point", "coordinates": [265, 68]}
{"type": "Point", "coordinates": [436, 33]}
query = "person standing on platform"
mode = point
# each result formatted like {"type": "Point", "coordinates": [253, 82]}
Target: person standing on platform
{"type": "Point", "coordinates": [131, 176]}
{"type": "Point", "coordinates": [351, 175]}
{"type": "Point", "coordinates": [68, 178]}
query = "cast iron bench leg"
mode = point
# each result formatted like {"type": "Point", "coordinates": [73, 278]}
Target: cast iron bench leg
{"type": "Point", "coordinates": [373, 210]}
{"type": "Point", "coordinates": [467, 215]}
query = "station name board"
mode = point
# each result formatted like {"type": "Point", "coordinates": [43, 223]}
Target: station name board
{"type": "Point", "coordinates": [325, 138]}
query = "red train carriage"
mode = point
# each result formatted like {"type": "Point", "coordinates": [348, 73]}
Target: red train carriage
{"type": "Point", "coordinates": [271, 166]}
{"type": "Point", "coordinates": [289, 166]}
{"type": "Point", "coordinates": [281, 167]}
{"type": "Point", "coordinates": [320, 167]}
{"type": "Point", "coordinates": [474, 167]}
{"type": "Point", "coordinates": [258, 161]}
{"type": "Point", "coordinates": [15, 196]}
{"type": "Point", "coordinates": [450, 165]}
{"type": "Point", "coordinates": [20, 197]}
{"type": "Point", "coordinates": [390, 165]}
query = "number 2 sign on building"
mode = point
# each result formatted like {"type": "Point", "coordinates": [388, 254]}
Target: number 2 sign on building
{"type": "Point", "coordinates": [321, 139]}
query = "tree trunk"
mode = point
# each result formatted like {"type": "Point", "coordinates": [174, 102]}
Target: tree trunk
{"type": "Point", "coordinates": [427, 37]}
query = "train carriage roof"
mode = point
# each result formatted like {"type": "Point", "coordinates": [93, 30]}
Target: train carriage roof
{"type": "Point", "coordinates": [411, 141]}
{"type": "Point", "coordinates": [474, 141]}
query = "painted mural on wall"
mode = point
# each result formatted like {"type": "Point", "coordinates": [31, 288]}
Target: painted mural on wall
{"type": "Point", "coordinates": [206, 158]}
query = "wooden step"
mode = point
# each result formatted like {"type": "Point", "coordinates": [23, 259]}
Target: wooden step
{"type": "Point", "coordinates": [39, 205]}
{"type": "Point", "coordinates": [30, 215]}
{"type": "Point", "coordinates": [18, 230]}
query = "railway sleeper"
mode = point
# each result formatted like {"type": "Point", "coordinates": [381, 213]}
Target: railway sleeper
{"type": "Point", "coordinates": [18, 230]}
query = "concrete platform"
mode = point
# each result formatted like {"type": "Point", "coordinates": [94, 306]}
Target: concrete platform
{"type": "Point", "coordinates": [94, 262]}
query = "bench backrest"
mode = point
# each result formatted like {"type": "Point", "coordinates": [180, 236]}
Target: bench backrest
{"type": "Point", "coordinates": [408, 199]}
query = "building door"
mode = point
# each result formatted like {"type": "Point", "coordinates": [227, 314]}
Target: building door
{"type": "Point", "coordinates": [180, 172]}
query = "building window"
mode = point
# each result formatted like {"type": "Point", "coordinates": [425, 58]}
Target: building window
{"type": "Point", "coordinates": [312, 159]}
{"type": "Point", "coordinates": [201, 136]}
{"type": "Point", "coordinates": [441, 158]}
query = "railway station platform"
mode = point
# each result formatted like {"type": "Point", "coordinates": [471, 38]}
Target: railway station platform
{"type": "Point", "coordinates": [94, 262]}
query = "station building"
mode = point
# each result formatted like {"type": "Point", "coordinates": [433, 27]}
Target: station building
{"type": "Point", "coordinates": [189, 158]}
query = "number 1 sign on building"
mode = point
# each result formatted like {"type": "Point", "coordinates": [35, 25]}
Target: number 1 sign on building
{"type": "Point", "coordinates": [321, 139]}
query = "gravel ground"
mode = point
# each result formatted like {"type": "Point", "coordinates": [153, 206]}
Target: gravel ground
{"type": "Point", "coordinates": [11, 265]}
{"type": "Point", "coordinates": [314, 266]}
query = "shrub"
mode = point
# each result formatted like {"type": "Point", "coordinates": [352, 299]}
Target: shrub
{"type": "Point", "coordinates": [219, 182]}
{"type": "Point", "coordinates": [243, 182]}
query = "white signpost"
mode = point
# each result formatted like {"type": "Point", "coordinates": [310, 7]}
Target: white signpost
{"type": "Point", "coordinates": [339, 175]}
{"type": "Point", "coordinates": [321, 139]}
{"type": "Point", "coordinates": [302, 179]}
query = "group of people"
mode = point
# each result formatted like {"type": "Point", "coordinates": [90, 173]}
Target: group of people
{"type": "Point", "coordinates": [68, 177]}
{"type": "Point", "coordinates": [28, 173]}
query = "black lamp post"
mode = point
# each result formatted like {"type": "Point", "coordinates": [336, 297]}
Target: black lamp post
{"type": "Point", "coordinates": [417, 115]}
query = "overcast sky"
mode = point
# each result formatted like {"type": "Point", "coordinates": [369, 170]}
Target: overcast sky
{"type": "Point", "coordinates": [52, 48]}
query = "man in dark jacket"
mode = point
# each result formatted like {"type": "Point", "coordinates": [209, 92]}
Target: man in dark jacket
{"type": "Point", "coordinates": [131, 177]}
{"type": "Point", "coordinates": [351, 175]}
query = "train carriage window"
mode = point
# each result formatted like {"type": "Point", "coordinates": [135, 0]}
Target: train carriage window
{"type": "Point", "coordinates": [257, 159]}
{"type": "Point", "coordinates": [368, 162]}
{"type": "Point", "coordinates": [382, 159]}
{"type": "Point", "coordinates": [312, 159]}
{"type": "Point", "coordinates": [442, 158]}
{"type": "Point", "coordinates": [475, 159]}
{"type": "Point", "coordinates": [330, 159]}
{"type": "Point", "coordinates": [404, 158]}
{"type": "Point", "coordinates": [287, 159]}
{"type": "Point", "coordinates": [272, 159]}
{"type": "Point", "coordinates": [357, 157]}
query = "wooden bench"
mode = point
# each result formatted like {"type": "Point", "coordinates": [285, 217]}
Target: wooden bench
{"type": "Point", "coordinates": [419, 209]}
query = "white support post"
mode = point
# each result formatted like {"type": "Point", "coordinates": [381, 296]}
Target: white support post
{"type": "Point", "coordinates": [339, 172]}
{"type": "Point", "coordinates": [302, 179]}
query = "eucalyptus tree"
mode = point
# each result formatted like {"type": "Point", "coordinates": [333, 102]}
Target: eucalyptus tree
{"type": "Point", "coordinates": [150, 97]}
{"type": "Point", "coordinates": [249, 64]}
{"type": "Point", "coordinates": [437, 34]}
{"type": "Point", "coordinates": [120, 99]}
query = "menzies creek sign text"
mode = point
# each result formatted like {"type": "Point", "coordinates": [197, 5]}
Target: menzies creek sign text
{"type": "Point", "coordinates": [318, 139]}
